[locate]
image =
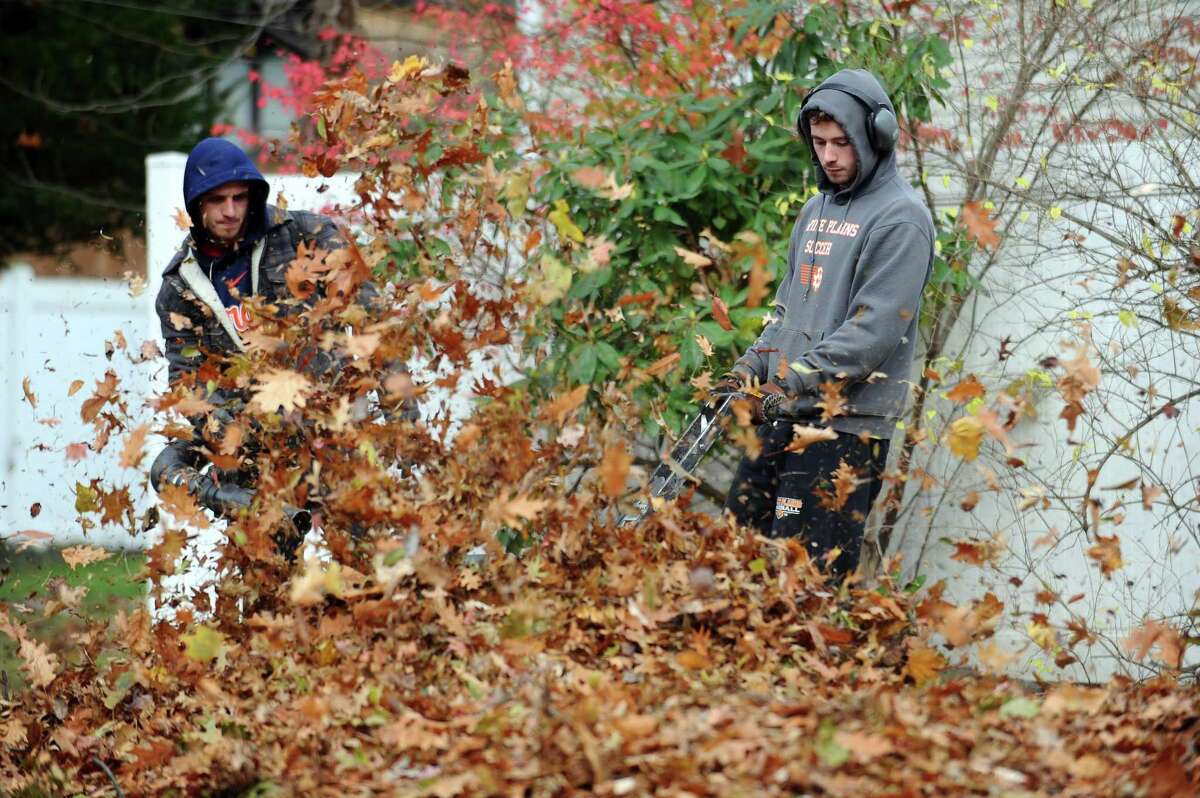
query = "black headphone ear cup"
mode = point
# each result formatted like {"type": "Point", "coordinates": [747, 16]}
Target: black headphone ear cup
{"type": "Point", "coordinates": [884, 130]}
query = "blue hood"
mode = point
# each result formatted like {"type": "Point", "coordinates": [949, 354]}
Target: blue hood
{"type": "Point", "coordinates": [214, 162]}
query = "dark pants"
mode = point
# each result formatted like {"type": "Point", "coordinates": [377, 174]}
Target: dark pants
{"type": "Point", "coordinates": [789, 494]}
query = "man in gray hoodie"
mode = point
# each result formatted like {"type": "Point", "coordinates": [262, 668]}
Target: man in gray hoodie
{"type": "Point", "coordinates": [839, 351]}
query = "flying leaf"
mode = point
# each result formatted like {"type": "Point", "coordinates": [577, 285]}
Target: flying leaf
{"type": "Point", "coordinates": [514, 510]}
{"type": "Point", "coordinates": [37, 662]}
{"type": "Point", "coordinates": [203, 643]}
{"type": "Point", "coordinates": [694, 259]}
{"type": "Point", "coordinates": [804, 436]}
{"type": "Point", "coordinates": [560, 217]}
{"type": "Point", "coordinates": [281, 389]}
{"type": "Point", "coordinates": [29, 394]}
{"type": "Point", "coordinates": [1107, 552]}
{"type": "Point", "coordinates": [74, 387]}
{"type": "Point", "coordinates": [924, 664]}
{"type": "Point", "coordinates": [1151, 634]}
{"type": "Point", "coordinates": [832, 402]}
{"type": "Point", "coordinates": [182, 220]}
{"type": "Point", "coordinates": [87, 500]}
{"type": "Point", "coordinates": [965, 391]}
{"type": "Point", "coordinates": [76, 556]}
{"type": "Point", "coordinates": [979, 224]}
{"type": "Point", "coordinates": [177, 501]}
{"type": "Point", "coordinates": [105, 391]}
{"type": "Point", "coordinates": [590, 177]}
{"type": "Point", "coordinates": [562, 406]}
{"type": "Point", "coordinates": [1149, 494]}
{"type": "Point", "coordinates": [131, 454]}
{"type": "Point", "coordinates": [550, 281]}
{"type": "Point", "coordinates": [614, 470]}
{"type": "Point", "coordinates": [965, 436]}
{"type": "Point", "coordinates": [845, 481]}
{"type": "Point", "coordinates": [721, 313]}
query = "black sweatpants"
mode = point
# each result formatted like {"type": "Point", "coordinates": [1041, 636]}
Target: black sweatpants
{"type": "Point", "coordinates": [781, 492]}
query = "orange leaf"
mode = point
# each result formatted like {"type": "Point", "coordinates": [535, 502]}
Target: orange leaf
{"type": "Point", "coordinates": [75, 556]}
{"type": "Point", "coordinates": [131, 454]}
{"type": "Point", "coordinates": [662, 365]}
{"type": "Point", "coordinates": [75, 386]}
{"type": "Point", "coordinates": [757, 290]}
{"type": "Point", "coordinates": [832, 403]}
{"type": "Point", "coordinates": [614, 470]}
{"type": "Point", "coordinates": [924, 664]}
{"type": "Point", "coordinates": [965, 391]}
{"type": "Point", "coordinates": [804, 436]}
{"type": "Point", "coordinates": [979, 224]}
{"type": "Point", "coordinates": [182, 220]}
{"type": "Point", "coordinates": [562, 406]}
{"type": "Point", "coordinates": [1151, 634]}
{"type": "Point", "coordinates": [29, 394]}
{"type": "Point", "coordinates": [1107, 552]}
{"type": "Point", "coordinates": [693, 660]}
{"type": "Point", "coordinates": [721, 314]}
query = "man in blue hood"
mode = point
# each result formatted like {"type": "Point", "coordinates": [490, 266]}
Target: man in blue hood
{"type": "Point", "coordinates": [839, 351]}
{"type": "Point", "coordinates": [238, 246]}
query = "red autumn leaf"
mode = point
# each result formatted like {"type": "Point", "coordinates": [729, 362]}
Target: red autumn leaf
{"type": "Point", "coordinates": [721, 314]}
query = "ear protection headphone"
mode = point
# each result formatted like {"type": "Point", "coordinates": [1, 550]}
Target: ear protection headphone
{"type": "Point", "coordinates": [883, 131]}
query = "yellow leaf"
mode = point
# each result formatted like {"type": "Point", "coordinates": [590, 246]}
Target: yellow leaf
{"type": "Point", "coordinates": [411, 66]}
{"type": "Point", "coordinates": [551, 281]}
{"type": "Point", "coordinates": [203, 643]}
{"type": "Point", "coordinates": [561, 218]}
{"type": "Point", "coordinates": [965, 436]}
{"type": "Point", "coordinates": [705, 345]}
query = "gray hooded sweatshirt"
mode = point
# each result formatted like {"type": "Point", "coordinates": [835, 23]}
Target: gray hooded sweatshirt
{"type": "Point", "coordinates": [859, 257]}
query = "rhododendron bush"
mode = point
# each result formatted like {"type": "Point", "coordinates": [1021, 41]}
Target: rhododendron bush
{"type": "Point", "coordinates": [472, 620]}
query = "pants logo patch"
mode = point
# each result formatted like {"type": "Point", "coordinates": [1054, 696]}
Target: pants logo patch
{"type": "Point", "coordinates": [785, 506]}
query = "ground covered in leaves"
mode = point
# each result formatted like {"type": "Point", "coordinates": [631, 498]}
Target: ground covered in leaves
{"type": "Point", "coordinates": [681, 657]}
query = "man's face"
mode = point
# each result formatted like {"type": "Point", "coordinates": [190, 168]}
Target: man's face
{"type": "Point", "coordinates": [223, 211]}
{"type": "Point", "coordinates": [834, 151]}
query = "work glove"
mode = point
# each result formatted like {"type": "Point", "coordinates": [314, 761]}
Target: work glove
{"type": "Point", "coordinates": [730, 382]}
{"type": "Point", "coordinates": [764, 405]}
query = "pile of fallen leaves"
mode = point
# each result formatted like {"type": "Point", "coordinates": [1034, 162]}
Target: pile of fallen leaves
{"type": "Point", "coordinates": [680, 656]}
